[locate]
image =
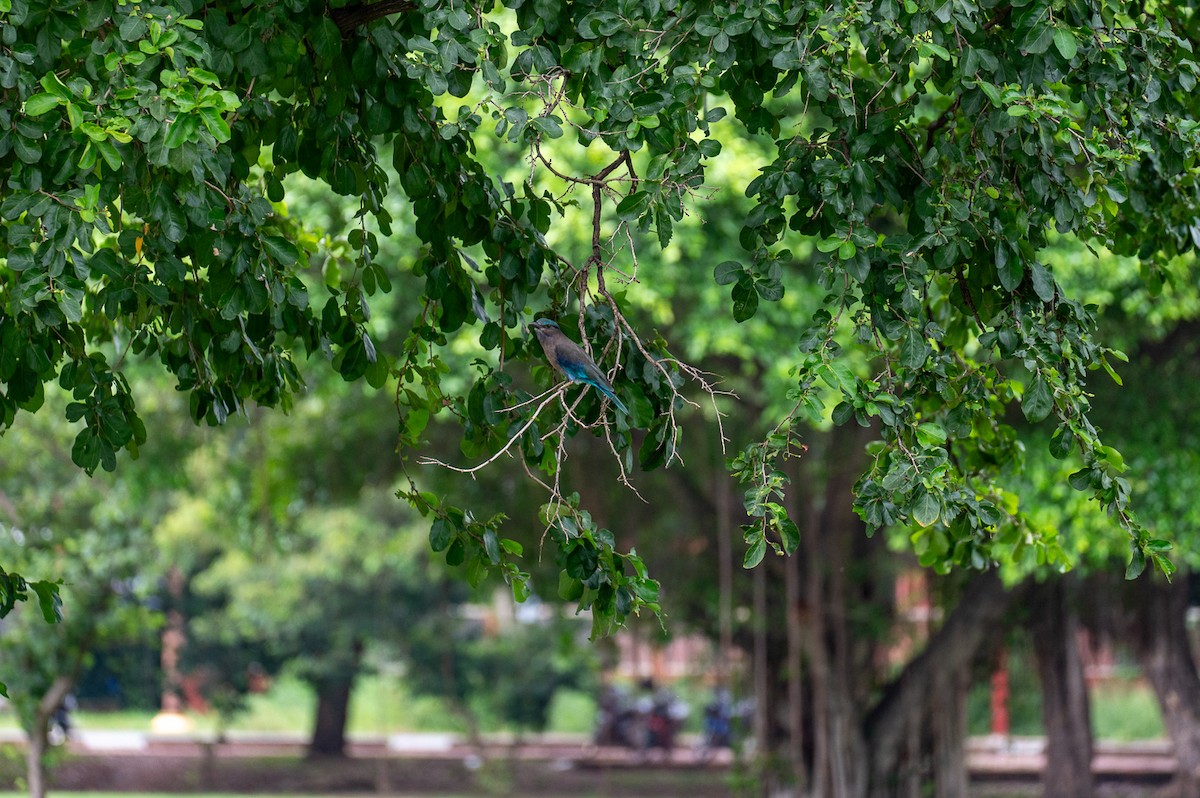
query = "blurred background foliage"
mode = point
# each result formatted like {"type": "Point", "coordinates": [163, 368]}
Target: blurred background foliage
{"type": "Point", "coordinates": [273, 550]}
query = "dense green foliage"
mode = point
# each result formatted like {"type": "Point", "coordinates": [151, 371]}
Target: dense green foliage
{"type": "Point", "coordinates": [920, 156]}
{"type": "Point", "coordinates": [56, 520]}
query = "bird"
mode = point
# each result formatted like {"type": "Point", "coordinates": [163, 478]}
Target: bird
{"type": "Point", "coordinates": [567, 356]}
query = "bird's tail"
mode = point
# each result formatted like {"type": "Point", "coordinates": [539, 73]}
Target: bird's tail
{"type": "Point", "coordinates": [620, 405]}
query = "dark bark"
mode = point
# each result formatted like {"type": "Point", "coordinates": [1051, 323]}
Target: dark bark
{"type": "Point", "coordinates": [1150, 614]}
{"type": "Point", "coordinates": [1169, 666]}
{"type": "Point", "coordinates": [795, 673]}
{"type": "Point", "coordinates": [1065, 709]}
{"type": "Point", "coordinates": [948, 736]}
{"type": "Point", "coordinates": [764, 707]}
{"type": "Point", "coordinates": [333, 704]}
{"type": "Point", "coordinates": [840, 658]}
{"type": "Point", "coordinates": [920, 694]}
{"type": "Point", "coordinates": [347, 18]}
{"type": "Point", "coordinates": [333, 709]}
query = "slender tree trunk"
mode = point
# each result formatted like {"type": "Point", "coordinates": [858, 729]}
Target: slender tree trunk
{"type": "Point", "coordinates": [725, 530]}
{"type": "Point", "coordinates": [763, 706]}
{"type": "Point", "coordinates": [1065, 709]}
{"type": "Point", "coordinates": [35, 753]}
{"type": "Point", "coordinates": [1169, 666]}
{"type": "Point", "coordinates": [35, 769]}
{"type": "Point", "coordinates": [795, 671]}
{"type": "Point", "coordinates": [818, 660]}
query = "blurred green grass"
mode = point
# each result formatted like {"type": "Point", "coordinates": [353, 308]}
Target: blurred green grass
{"type": "Point", "coordinates": [1122, 710]}
{"type": "Point", "coordinates": [379, 705]}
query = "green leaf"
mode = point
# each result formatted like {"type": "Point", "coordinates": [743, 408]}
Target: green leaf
{"type": "Point", "coordinates": [49, 600]}
{"type": "Point", "coordinates": [216, 124]}
{"type": "Point", "coordinates": [789, 533]}
{"type": "Point", "coordinates": [840, 376]}
{"type": "Point", "coordinates": [1115, 461]}
{"type": "Point", "coordinates": [569, 588]}
{"type": "Point", "coordinates": [1043, 282]}
{"type": "Point", "coordinates": [992, 92]}
{"type": "Point", "coordinates": [745, 299]}
{"type": "Point", "coordinates": [653, 452]}
{"type": "Point", "coordinates": [633, 206]}
{"type": "Point", "coordinates": [1111, 371]}
{"type": "Point", "coordinates": [755, 554]}
{"type": "Point", "coordinates": [326, 38]}
{"type": "Point", "coordinates": [281, 250]}
{"type": "Point", "coordinates": [1137, 563]}
{"type": "Point", "coordinates": [457, 553]}
{"type": "Point", "coordinates": [39, 104]}
{"type": "Point", "coordinates": [926, 509]}
{"type": "Point", "coordinates": [181, 130]}
{"type": "Point", "coordinates": [1038, 39]}
{"type": "Point", "coordinates": [931, 434]}
{"type": "Point", "coordinates": [549, 125]}
{"type": "Point", "coordinates": [1038, 400]}
{"type": "Point", "coordinates": [727, 272]}
{"type": "Point", "coordinates": [491, 545]}
{"type": "Point", "coordinates": [769, 290]}
{"type": "Point", "coordinates": [1061, 442]}
{"type": "Point", "coordinates": [1064, 40]}
{"type": "Point", "coordinates": [1008, 268]}
{"type": "Point", "coordinates": [914, 351]}
{"type": "Point", "coordinates": [926, 49]}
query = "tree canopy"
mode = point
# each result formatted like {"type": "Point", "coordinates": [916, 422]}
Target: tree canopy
{"type": "Point", "coordinates": [920, 157]}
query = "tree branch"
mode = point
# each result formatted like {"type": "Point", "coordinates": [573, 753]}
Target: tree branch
{"type": "Point", "coordinates": [941, 122]}
{"type": "Point", "coordinates": [349, 18]}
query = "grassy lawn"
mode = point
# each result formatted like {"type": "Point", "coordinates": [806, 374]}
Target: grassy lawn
{"type": "Point", "coordinates": [1121, 711]}
{"type": "Point", "coordinates": [380, 705]}
{"type": "Point", "coordinates": [1125, 711]}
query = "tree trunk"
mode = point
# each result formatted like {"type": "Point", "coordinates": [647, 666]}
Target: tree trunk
{"type": "Point", "coordinates": [35, 769]}
{"type": "Point", "coordinates": [35, 753]}
{"type": "Point", "coordinates": [795, 672]}
{"type": "Point", "coordinates": [763, 705]}
{"type": "Point", "coordinates": [333, 708]}
{"type": "Point", "coordinates": [1169, 666]}
{"type": "Point", "coordinates": [948, 732]}
{"type": "Point", "coordinates": [921, 691]}
{"type": "Point", "coordinates": [839, 657]}
{"type": "Point", "coordinates": [1065, 709]}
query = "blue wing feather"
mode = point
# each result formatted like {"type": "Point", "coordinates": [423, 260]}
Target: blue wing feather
{"type": "Point", "coordinates": [582, 371]}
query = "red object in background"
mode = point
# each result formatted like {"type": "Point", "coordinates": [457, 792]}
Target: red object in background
{"type": "Point", "coordinates": [1000, 695]}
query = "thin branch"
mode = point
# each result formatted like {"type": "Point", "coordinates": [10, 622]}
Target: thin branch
{"type": "Point", "coordinates": [550, 395]}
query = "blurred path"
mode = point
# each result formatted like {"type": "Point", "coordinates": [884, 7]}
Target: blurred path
{"type": "Point", "coordinates": [988, 757]}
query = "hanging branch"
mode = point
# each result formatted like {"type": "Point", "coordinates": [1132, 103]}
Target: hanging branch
{"type": "Point", "coordinates": [349, 18]}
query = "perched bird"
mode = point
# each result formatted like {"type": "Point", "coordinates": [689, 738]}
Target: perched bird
{"type": "Point", "coordinates": [567, 356]}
